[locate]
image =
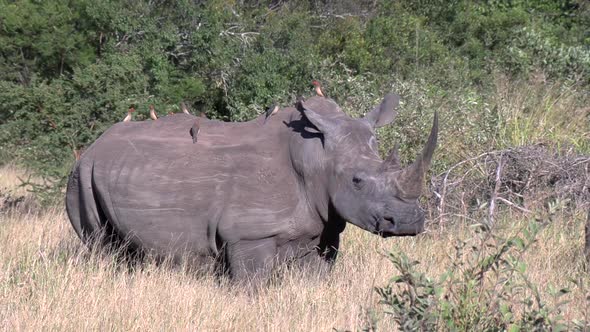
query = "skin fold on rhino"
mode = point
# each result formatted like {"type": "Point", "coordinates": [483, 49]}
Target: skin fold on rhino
{"type": "Point", "coordinates": [249, 194]}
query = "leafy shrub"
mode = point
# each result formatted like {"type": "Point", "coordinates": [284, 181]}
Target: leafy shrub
{"type": "Point", "coordinates": [485, 288]}
{"type": "Point", "coordinates": [530, 49]}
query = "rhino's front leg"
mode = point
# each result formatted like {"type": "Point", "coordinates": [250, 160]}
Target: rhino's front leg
{"type": "Point", "coordinates": [251, 260]}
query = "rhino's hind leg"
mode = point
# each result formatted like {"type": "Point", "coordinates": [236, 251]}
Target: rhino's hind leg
{"type": "Point", "coordinates": [251, 261]}
{"type": "Point", "coordinates": [73, 199]}
{"type": "Point", "coordinates": [80, 204]}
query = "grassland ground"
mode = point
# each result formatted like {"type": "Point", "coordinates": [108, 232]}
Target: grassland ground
{"type": "Point", "coordinates": [50, 281]}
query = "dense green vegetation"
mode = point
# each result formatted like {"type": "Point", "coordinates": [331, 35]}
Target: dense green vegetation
{"type": "Point", "coordinates": [70, 69]}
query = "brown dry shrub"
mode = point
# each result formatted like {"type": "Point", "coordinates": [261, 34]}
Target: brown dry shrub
{"type": "Point", "coordinates": [536, 179]}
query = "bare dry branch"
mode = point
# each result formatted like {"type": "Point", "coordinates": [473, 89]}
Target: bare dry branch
{"type": "Point", "coordinates": [496, 188]}
{"type": "Point", "coordinates": [505, 201]}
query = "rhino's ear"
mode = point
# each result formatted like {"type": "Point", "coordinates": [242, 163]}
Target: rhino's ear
{"type": "Point", "coordinates": [323, 124]}
{"type": "Point", "coordinates": [385, 112]}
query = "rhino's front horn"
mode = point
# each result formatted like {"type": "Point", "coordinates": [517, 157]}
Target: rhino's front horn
{"type": "Point", "coordinates": [411, 179]}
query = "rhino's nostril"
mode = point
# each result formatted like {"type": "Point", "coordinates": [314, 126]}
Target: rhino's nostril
{"type": "Point", "coordinates": [390, 220]}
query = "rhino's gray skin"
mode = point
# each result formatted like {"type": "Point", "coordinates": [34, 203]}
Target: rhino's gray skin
{"type": "Point", "coordinates": [249, 193]}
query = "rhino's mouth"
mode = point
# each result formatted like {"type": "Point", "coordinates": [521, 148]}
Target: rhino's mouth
{"type": "Point", "coordinates": [385, 222]}
{"type": "Point", "coordinates": [386, 227]}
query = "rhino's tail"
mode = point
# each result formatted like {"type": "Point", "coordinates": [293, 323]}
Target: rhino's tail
{"type": "Point", "coordinates": [81, 204]}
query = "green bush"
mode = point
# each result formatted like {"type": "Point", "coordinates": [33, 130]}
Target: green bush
{"type": "Point", "coordinates": [529, 49]}
{"type": "Point", "coordinates": [485, 288]}
{"type": "Point", "coordinates": [69, 70]}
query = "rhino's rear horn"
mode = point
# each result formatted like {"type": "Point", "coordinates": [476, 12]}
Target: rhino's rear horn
{"type": "Point", "coordinates": [411, 179]}
{"type": "Point", "coordinates": [392, 163]}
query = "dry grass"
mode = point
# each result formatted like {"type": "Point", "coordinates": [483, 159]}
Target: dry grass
{"type": "Point", "coordinates": [532, 111]}
{"type": "Point", "coordinates": [13, 195]}
{"type": "Point", "coordinates": [49, 281]}
{"type": "Point", "coordinates": [10, 181]}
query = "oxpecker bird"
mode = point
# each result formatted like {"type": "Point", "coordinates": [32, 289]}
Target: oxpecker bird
{"type": "Point", "coordinates": [318, 88]}
{"type": "Point", "coordinates": [183, 108]}
{"type": "Point", "coordinates": [78, 153]}
{"type": "Point", "coordinates": [195, 129]}
{"type": "Point", "coordinates": [129, 111]}
{"type": "Point", "coordinates": [203, 115]}
{"type": "Point", "coordinates": [153, 113]}
{"type": "Point", "coordinates": [271, 111]}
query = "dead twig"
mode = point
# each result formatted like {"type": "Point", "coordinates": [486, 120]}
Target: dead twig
{"type": "Point", "coordinates": [496, 188]}
{"type": "Point", "coordinates": [245, 37]}
{"type": "Point", "coordinates": [505, 201]}
{"type": "Point", "coordinates": [441, 196]}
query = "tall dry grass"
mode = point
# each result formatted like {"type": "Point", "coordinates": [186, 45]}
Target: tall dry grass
{"type": "Point", "coordinates": [11, 179]}
{"type": "Point", "coordinates": [537, 111]}
{"type": "Point", "coordinates": [50, 281]}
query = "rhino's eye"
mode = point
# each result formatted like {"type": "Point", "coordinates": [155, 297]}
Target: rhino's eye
{"type": "Point", "coordinates": [357, 182]}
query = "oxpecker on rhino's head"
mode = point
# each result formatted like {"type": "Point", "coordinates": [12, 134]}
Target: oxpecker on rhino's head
{"type": "Point", "coordinates": [377, 195]}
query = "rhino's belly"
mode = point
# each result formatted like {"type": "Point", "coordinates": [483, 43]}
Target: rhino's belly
{"type": "Point", "coordinates": [161, 204]}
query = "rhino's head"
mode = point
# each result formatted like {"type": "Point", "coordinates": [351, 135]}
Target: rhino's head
{"type": "Point", "coordinates": [376, 195]}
